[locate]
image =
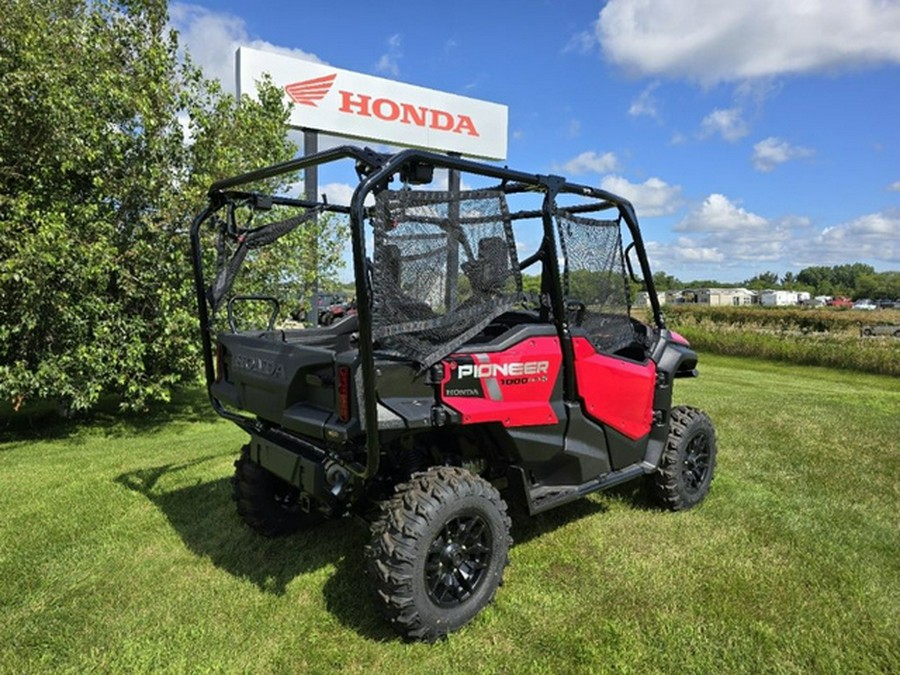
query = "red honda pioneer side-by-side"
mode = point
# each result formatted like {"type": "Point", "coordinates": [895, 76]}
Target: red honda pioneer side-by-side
{"type": "Point", "coordinates": [493, 356]}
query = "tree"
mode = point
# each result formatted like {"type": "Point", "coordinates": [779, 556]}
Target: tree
{"type": "Point", "coordinates": [762, 281]}
{"type": "Point", "coordinates": [817, 277]}
{"type": "Point", "coordinates": [856, 279]}
{"type": "Point", "coordinates": [97, 189]}
{"type": "Point", "coordinates": [666, 282]}
{"type": "Point", "coordinates": [878, 285]}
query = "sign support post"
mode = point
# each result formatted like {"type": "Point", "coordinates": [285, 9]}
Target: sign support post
{"type": "Point", "coordinates": [452, 295]}
{"type": "Point", "coordinates": [311, 188]}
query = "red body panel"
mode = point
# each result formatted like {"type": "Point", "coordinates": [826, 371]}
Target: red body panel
{"type": "Point", "coordinates": [680, 339]}
{"type": "Point", "coordinates": [617, 392]}
{"type": "Point", "coordinates": [512, 387]}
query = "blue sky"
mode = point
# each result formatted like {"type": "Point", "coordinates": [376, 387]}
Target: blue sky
{"type": "Point", "coordinates": [751, 135]}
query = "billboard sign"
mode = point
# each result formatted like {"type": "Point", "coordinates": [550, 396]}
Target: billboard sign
{"type": "Point", "coordinates": [346, 103]}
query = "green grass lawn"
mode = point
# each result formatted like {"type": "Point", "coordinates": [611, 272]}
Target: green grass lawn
{"type": "Point", "coordinates": [120, 551]}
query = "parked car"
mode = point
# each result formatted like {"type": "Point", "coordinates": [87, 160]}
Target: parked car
{"type": "Point", "coordinates": [840, 302]}
{"type": "Point", "coordinates": [885, 303]}
{"type": "Point", "coordinates": [884, 329]}
{"type": "Point", "coordinates": [864, 304]}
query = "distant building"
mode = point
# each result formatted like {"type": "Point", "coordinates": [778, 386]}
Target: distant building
{"type": "Point", "coordinates": [674, 297]}
{"type": "Point", "coordinates": [642, 299]}
{"type": "Point", "coordinates": [722, 297]}
{"type": "Point", "coordinates": [774, 298]}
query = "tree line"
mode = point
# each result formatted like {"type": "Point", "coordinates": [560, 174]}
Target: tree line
{"type": "Point", "coordinates": [855, 280]}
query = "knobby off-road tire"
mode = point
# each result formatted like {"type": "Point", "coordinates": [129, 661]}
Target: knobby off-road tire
{"type": "Point", "coordinates": [438, 551]}
{"type": "Point", "coordinates": [688, 461]}
{"type": "Point", "coordinates": [266, 503]}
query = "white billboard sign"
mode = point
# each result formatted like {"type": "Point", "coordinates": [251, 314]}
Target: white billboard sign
{"type": "Point", "coordinates": [346, 103]}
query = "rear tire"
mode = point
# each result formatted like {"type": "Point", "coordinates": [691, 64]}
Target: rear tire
{"type": "Point", "coordinates": [688, 462]}
{"type": "Point", "coordinates": [266, 503]}
{"type": "Point", "coordinates": [438, 552]}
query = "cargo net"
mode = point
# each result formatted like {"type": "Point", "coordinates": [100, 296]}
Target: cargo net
{"type": "Point", "coordinates": [445, 266]}
{"type": "Point", "coordinates": [594, 281]}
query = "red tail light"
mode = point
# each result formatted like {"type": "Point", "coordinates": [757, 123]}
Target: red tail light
{"type": "Point", "coordinates": [343, 390]}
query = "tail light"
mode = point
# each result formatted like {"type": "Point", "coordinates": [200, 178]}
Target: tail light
{"type": "Point", "coordinates": [343, 390]}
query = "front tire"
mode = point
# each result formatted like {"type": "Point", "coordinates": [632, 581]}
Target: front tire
{"type": "Point", "coordinates": [438, 552]}
{"type": "Point", "coordinates": [266, 503]}
{"type": "Point", "coordinates": [688, 462]}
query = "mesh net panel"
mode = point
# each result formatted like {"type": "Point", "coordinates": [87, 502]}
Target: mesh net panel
{"type": "Point", "coordinates": [594, 274]}
{"type": "Point", "coordinates": [228, 268]}
{"type": "Point", "coordinates": [444, 267]}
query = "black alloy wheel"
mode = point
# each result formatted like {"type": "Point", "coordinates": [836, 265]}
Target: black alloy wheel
{"type": "Point", "coordinates": [688, 461]}
{"type": "Point", "coordinates": [457, 560]}
{"type": "Point", "coordinates": [695, 466]}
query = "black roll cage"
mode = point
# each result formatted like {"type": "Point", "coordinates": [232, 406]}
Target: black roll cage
{"type": "Point", "coordinates": [375, 171]}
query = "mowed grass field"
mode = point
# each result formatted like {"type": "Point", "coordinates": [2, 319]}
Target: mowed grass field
{"type": "Point", "coordinates": [120, 551]}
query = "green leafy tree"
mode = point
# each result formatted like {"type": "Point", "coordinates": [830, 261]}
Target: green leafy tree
{"type": "Point", "coordinates": [97, 189]}
{"type": "Point", "coordinates": [666, 282]}
{"type": "Point", "coordinates": [856, 279]}
{"type": "Point", "coordinates": [878, 285]}
{"type": "Point", "coordinates": [531, 283]}
{"type": "Point", "coordinates": [847, 276]}
{"type": "Point", "coordinates": [762, 281]}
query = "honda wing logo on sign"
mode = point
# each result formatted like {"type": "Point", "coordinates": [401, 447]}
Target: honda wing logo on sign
{"type": "Point", "coordinates": [354, 105]}
{"type": "Point", "coordinates": [309, 92]}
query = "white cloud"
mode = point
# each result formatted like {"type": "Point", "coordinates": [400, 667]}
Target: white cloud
{"type": "Point", "coordinates": [670, 256]}
{"type": "Point", "coordinates": [754, 93]}
{"type": "Point", "coordinates": [709, 41]}
{"type": "Point", "coordinates": [769, 153]}
{"type": "Point", "coordinates": [582, 42]}
{"type": "Point", "coordinates": [875, 236]}
{"type": "Point", "coordinates": [687, 250]}
{"type": "Point", "coordinates": [389, 63]}
{"type": "Point", "coordinates": [895, 186]}
{"type": "Point", "coordinates": [211, 38]}
{"type": "Point", "coordinates": [719, 214]}
{"type": "Point", "coordinates": [726, 122]}
{"type": "Point", "coordinates": [590, 162]}
{"type": "Point", "coordinates": [722, 231]}
{"type": "Point", "coordinates": [645, 104]}
{"type": "Point", "coordinates": [653, 197]}
{"type": "Point", "coordinates": [720, 236]}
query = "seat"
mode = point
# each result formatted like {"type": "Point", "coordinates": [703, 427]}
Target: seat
{"type": "Point", "coordinates": [488, 272]}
